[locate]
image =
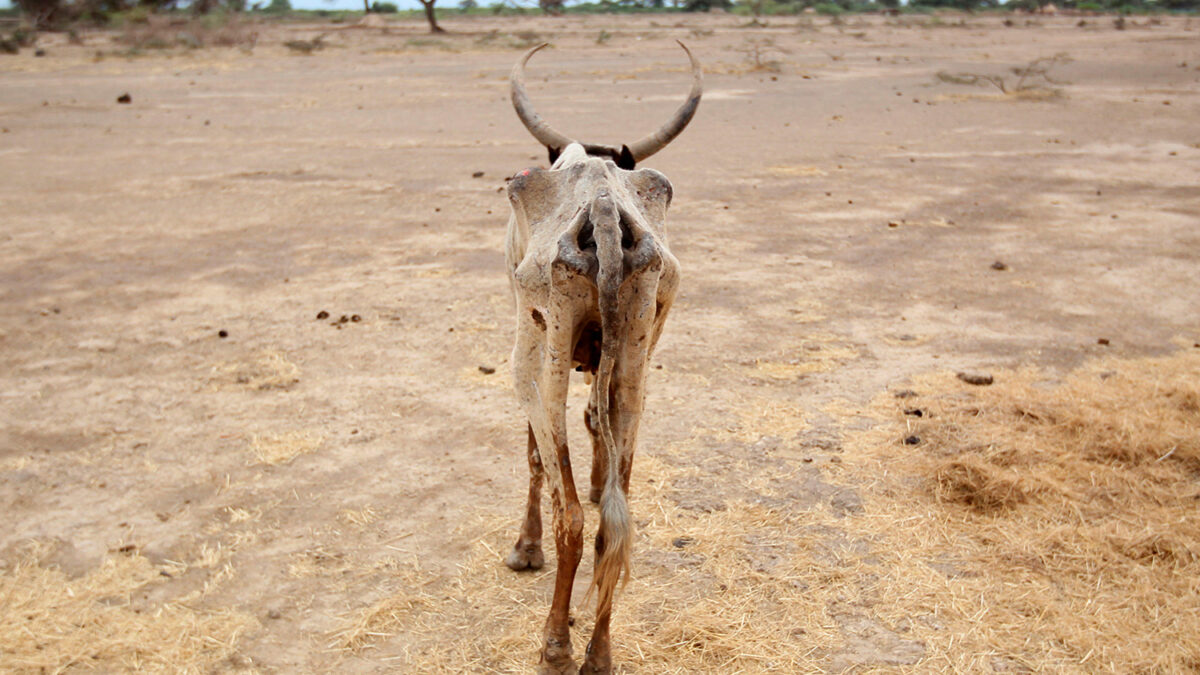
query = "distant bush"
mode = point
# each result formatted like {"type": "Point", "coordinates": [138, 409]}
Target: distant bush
{"type": "Point", "coordinates": [706, 5]}
{"type": "Point", "coordinates": [278, 7]}
{"type": "Point", "coordinates": [384, 7]}
{"type": "Point", "coordinates": [828, 9]}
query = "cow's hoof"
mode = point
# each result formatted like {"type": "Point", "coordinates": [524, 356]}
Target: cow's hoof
{"type": "Point", "coordinates": [595, 494]}
{"type": "Point", "coordinates": [525, 558]}
{"type": "Point", "coordinates": [556, 659]}
{"type": "Point", "coordinates": [564, 668]}
{"type": "Point", "coordinates": [595, 669]}
{"type": "Point", "coordinates": [598, 662]}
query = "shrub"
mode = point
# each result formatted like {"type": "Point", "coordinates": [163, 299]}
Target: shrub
{"type": "Point", "coordinates": [828, 9]}
{"type": "Point", "coordinates": [384, 7]}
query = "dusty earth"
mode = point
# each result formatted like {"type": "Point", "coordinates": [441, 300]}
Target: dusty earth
{"type": "Point", "coordinates": [846, 220]}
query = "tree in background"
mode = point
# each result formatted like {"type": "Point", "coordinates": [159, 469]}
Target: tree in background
{"type": "Point", "coordinates": [706, 5]}
{"type": "Point", "coordinates": [433, 24]}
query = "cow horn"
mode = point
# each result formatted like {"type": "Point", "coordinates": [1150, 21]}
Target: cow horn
{"type": "Point", "coordinates": [547, 136]}
{"type": "Point", "coordinates": [543, 132]}
{"type": "Point", "coordinates": [674, 126]}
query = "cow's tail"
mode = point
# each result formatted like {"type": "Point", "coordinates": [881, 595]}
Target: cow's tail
{"type": "Point", "coordinates": [615, 537]}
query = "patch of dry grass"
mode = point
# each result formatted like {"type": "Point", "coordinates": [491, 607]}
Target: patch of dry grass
{"type": "Point", "coordinates": [51, 623]}
{"type": "Point", "coordinates": [1046, 524]}
{"type": "Point", "coordinates": [269, 370]}
{"type": "Point", "coordinates": [282, 448]}
{"type": "Point", "coordinates": [746, 590]}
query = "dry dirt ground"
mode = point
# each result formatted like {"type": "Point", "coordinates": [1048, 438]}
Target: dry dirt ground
{"type": "Point", "coordinates": [198, 474]}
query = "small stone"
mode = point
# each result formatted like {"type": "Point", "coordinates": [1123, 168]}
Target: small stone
{"type": "Point", "coordinates": [222, 333]}
{"type": "Point", "coordinates": [477, 174]}
{"type": "Point", "coordinates": [487, 370]}
{"type": "Point", "coordinates": [905, 393]}
{"type": "Point", "coordinates": [912, 440]}
{"type": "Point", "coordinates": [979, 379]}
{"type": "Point", "coordinates": [39, 52]}
{"type": "Point", "coordinates": [322, 315]}
{"type": "Point", "coordinates": [999, 266]}
{"type": "Point", "coordinates": [125, 98]}
{"type": "Point", "coordinates": [274, 614]}
{"type": "Point", "coordinates": [355, 318]}
{"type": "Point", "coordinates": [1102, 341]}
{"type": "Point", "coordinates": [915, 412]}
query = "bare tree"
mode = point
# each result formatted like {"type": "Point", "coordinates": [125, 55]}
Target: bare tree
{"type": "Point", "coordinates": [433, 24]}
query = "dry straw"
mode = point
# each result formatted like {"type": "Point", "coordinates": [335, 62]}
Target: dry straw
{"type": "Point", "coordinates": [1040, 526]}
{"type": "Point", "coordinates": [269, 370]}
{"type": "Point", "coordinates": [51, 623]}
{"type": "Point", "coordinates": [282, 448]}
{"type": "Point", "coordinates": [1045, 525]}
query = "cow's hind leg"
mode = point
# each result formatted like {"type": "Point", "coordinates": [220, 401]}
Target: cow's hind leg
{"type": "Point", "coordinates": [568, 540]}
{"type": "Point", "coordinates": [626, 400]}
{"type": "Point", "coordinates": [541, 363]}
{"type": "Point", "coordinates": [527, 552]}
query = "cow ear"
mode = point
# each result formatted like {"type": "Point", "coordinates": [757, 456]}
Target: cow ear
{"type": "Point", "coordinates": [626, 160]}
{"type": "Point", "coordinates": [653, 188]}
{"type": "Point", "coordinates": [533, 194]}
{"type": "Point", "coordinates": [554, 153]}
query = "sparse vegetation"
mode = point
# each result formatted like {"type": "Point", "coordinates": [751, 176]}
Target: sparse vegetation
{"type": "Point", "coordinates": [1033, 78]}
{"type": "Point", "coordinates": [146, 31]}
{"type": "Point", "coordinates": [762, 55]}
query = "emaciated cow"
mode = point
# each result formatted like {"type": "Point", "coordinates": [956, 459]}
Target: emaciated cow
{"type": "Point", "coordinates": [593, 279]}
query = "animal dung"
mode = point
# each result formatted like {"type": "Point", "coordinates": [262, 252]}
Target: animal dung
{"type": "Point", "coordinates": [978, 379]}
{"type": "Point", "coordinates": [125, 98]}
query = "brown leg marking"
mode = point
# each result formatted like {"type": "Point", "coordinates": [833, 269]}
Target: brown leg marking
{"type": "Point", "coordinates": [568, 540]}
{"type": "Point", "coordinates": [527, 552]}
{"type": "Point", "coordinates": [599, 461]}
